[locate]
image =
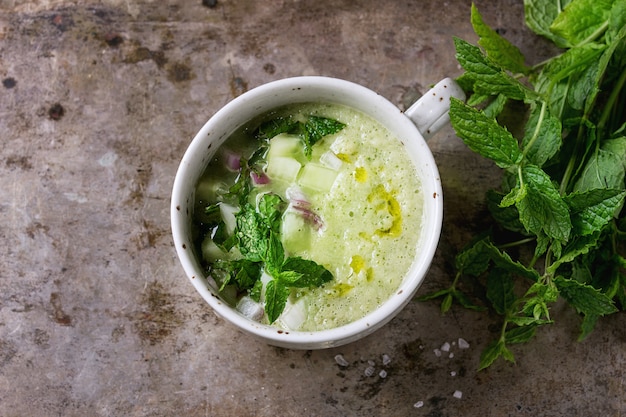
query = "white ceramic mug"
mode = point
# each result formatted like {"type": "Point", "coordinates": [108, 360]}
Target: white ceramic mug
{"type": "Point", "coordinates": [421, 120]}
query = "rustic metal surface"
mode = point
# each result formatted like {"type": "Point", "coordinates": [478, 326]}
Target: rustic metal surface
{"type": "Point", "coordinates": [99, 100]}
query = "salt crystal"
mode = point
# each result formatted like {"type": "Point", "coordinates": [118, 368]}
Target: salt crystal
{"type": "Point", "coordinates": [463, 343]}
{"type": "Point", "coordinates": [371, 363]}
{"type": "Point", "coordinates": [453, 373]}
{"type": "Point", "coordinates": [382, 374]}
{"type": "Point", "coordinates": [457, 394]}
{"type": "Point", "coordinates": [437, 352]}
{"type": "Point", "coordinates": [451, 355]}
{"type": "Point", "coordinates": [445, 347]}
{"type": "Point", "coordinates": [386, 360]}
{"type": "Point", "coordinates": [341, 361]}
{"type": "Point", "coordinates": [418, 404]}
{"type": "Point", "coordinates": [369, 371]}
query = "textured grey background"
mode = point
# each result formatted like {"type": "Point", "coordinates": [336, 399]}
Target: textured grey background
{"type": "Point", "coordinates": [100, 99]}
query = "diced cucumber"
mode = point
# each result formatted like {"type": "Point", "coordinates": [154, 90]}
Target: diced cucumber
{"type": "Point", "coordinates": [250, 308]}
{"type": "Point", "coordinates": [283, 168]}
{"type": "Point", "coordinates": [296, 233]}
{"type": "Point", "coordinates": [330, 160]}
{"type": "Point", "coordinates": [228, 215]}
{"type": "Point", "coordinates": [208, 190]}
{"type": "Point", "coordinates": [317, 177]}
{"type": "Point", "coordinates": [210, 251]}
{"type": "Point", "coordinates": [285, 145]}
{"type": "Point", "coordinates": [294, 314]}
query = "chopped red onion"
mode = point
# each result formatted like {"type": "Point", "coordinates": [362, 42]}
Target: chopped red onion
{"type": "Point", "coordinates": [259, 178]}
{"type": "Point", "coordinates": [314, 219]}
{"type": "Point", "coordinates": [233, 161]}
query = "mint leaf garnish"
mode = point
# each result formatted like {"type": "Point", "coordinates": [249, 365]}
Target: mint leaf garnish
{"type": "Point", "coordinates": [563, 188]}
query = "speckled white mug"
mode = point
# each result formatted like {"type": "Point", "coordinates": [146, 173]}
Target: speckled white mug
{"type": "Point", "coordinates": [421, 120]}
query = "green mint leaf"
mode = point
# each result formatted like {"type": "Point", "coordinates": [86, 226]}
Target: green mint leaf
{"type": "Point", "coordinates": [498, 49]}
{"type": "Point", "coordinates": [446, 303]}
{"type": "Point", "coordinates": [289, 278]}
{"type": "Point", "coordinates": [488, 78]}
{"type": "Point", "coordinates": [538, 296]}
{"type": "Point", "coordinates": [241, 272]}
{"type": "Point", "coordinates": [433, 295]}
{"type": "Point", "coordinates": [584, 298]}
{"type": "Point", "coordinates": [507, 216]}
{"type": "Point", "coordinates": [539, 15]}
{"type": "Point", "coordinates": [582, 21]}
{"type": "Point", "coordinates": [465, 301]}
{"type": "Point", "coordinates": [520, 334]}
{"type": "Point", "coordinates": [492, 352]}
{"type": "Point", "coordinates": [221, 237]}
{"type": "Point", "coordinates": [500, 290]}
{"type": "Point", "coordinates": [271, 207]}
{"type": "Point", "coordinates": [484, 135]}
{"type": "Point", "coordinates": [276, 126]}
{"type": "Point", "coordinates": [316, 128]}
{"type": "Point", "coordinates": [542, 136]}
{"type": "Point", "coordinates": [276, 294]}
{"type": "Point", "coordinates": [256, 290]}
{"type": "Point", "coordinates": [248, 273]}
{"type": "Point", "coordinates": [495, 107]}
{"type": "Point", "coordinates": [587, 326]}
{"type": "Point", "coordinates": [579, 246]}
{"type": "Point", "coordinates": [275, 255]}
{"type": "Point", "coordinates": [617, 21]}
{"type": "Point", "coordinates": [593, 209]}
{"type": "Point", "coordinates": [571, 62]}
{"type": "Point", "coordinates": [542, 209]}
{"type": "Point", "coordinates": [474, 259]}
{"type": "Point", "coordinates": [311, 273]}
{"type": "Point", "coordinates": [251, 234]}
{"type": "Point", "coordinates": [606, 168]}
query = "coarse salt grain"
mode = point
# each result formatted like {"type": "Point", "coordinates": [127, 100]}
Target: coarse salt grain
{"type": "Point", "coordinates": [341, 361]}
{"type": "Point", "coordinates": [418, 404]}
{"type": "Point", "coordinates": [369, 371]}
{"type": "Point", "coordinates": [453, 373]}
{"type": "Point", "coordinates": [445, 347]}
{"type": "Point", "coordinates": [463, 343]}
{"type": "Point", "coordinates": [386, 359]}
{"type": "Point", "coordinates": [451, 355]}
{"type": "Point", "coordinates": [457, 394]}
{"type": "Point", "coordinates": [382, 374]}
{"type": "Point", "coordinates": [437, 352]}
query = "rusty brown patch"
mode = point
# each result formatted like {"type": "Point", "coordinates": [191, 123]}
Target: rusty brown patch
{"type": "Point", "coordinates": [9, 82]}
{"type": "Point", "coordinates": [41, 338]}
{"type": "Point", "coordinates": [56, 111]}
{"type": "Point", "coordinates": [159, 316]}
{"type": "Point", "coordinates": [149, 235]}
{"type": "Point", "coordinates": [178, 72]}
{"type": "Point", "coordinates": [35, 227]}
{"type": "Point", "coordinates": [58, 315]}
{"type": "Point", "coordinates": [19, 161]}
{"type": "Point", "coordinates": [141, 53]}
{"type": "Point", "coordinates": [112, 39]}
{"type": "Point", "coordinates": [117, 333]}
{"type": "Point", "coordinates": [238, 86]}
{"type": "Point", "coordinates": [7, 352]}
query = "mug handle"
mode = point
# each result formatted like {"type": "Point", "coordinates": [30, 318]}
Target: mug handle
{"type": "Point", "coordinates": [430, 112]}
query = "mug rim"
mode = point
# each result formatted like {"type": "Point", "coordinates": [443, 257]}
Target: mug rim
{"type": "Point", "coordinates": [222, 124]}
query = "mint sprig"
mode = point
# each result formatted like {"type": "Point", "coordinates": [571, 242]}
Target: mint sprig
{"type": "Point", "coordinates": [563, 178]}
{"type": "Point", "coordinates": [311, 131]}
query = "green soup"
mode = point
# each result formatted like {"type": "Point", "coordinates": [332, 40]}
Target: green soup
{"type": "Point", "coordinates": [352, 203]}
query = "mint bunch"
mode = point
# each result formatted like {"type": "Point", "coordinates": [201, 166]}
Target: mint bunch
{"type": "Point", "coordinates": [562, 190]}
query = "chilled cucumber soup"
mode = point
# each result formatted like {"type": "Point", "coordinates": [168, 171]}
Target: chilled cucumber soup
{"type": "Point", "coordinates": [355, 207]}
